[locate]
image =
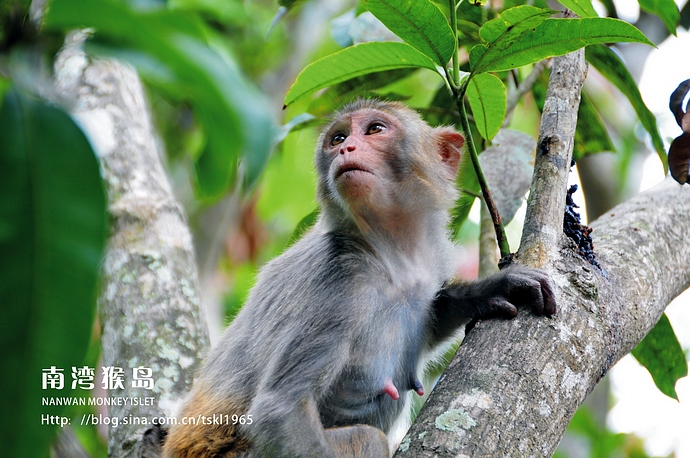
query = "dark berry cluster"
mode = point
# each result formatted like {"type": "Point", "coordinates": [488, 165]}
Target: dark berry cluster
{"type": "Point", "coordinates": [576, 231]}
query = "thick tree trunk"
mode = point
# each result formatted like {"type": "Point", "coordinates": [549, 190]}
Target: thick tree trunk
{"type": "Point", "coordinates": [149, 303]}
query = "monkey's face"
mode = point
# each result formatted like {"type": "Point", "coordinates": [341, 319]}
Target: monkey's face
{"type": "Point", "coordinates": [379, 162]}
{"type": "Point", "coordinates": [359, 156]}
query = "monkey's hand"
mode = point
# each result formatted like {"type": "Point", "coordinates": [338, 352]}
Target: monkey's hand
{"type": "Point", "coordinates": [500, 295]}
{"type": "Point", "coordinates": [497, 296]}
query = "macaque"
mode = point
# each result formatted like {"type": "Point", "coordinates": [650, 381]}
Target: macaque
{"type": "Point", "coordinates": [323, 359]}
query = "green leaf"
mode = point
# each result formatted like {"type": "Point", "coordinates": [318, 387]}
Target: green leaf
{"type": "Point", "coordinates": [419, 23]}
{"type": "Point", "coordinates": [355, 61]}
{"type": "Point", "coordinates": [301, 121]}
{"type": "Point", "coordinates": [663, 357]}
{"type": "Point", "coordinates": [591, 135]}
{"type": "Point", "coordinates": [170, 51]}
{"type": "Point", "coordinates": [487, 96]}
{"type": "Point", "coordinates": [582, 8]}
{"type": "Point", "coordinates": [225, 11]}
{"type": "Point", "coordinates": [612, 68]}
{"type": "Point", "coordinates": [500, 33]}
{"type": "Point", "coordinates": [553, 37]}
{"type": "Point", "coordinates": [52, 235]}
{"type": "Point", "coordinates": [667, 10]}
{"type": "Point", "coordinates": [340, 94]}
{"type": "Point", "coordinates": [469, 188]}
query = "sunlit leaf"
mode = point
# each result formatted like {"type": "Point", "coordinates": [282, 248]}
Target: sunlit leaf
{"type": "Point", "coordinates": [612, 68]}
{"type": "Point", "coordinates": [553, 37]}
{"type": "Point", "coordinates": [502, 32]}
{"type": "Point", "coordinates": [469, 190]}
{"type": "Point", "coordinates": [487, 96]}
{"type": "Point", "coordinates": [52, 234]}
{"type": "Point", "coordinates": [663, 357]}
{"type": "Point", "coordinates": [582, 8]}
{"type": "Point", "coordinates": [356, 61]}
{"type": "Point", "coordinates": [419, 23]}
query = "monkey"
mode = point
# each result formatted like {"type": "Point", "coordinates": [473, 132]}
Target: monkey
{"type": "Point", "coordinates": [325, 355]}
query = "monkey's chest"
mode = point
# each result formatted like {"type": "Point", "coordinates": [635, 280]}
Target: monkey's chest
{"type": "Point", "coordinates": [375, 384]}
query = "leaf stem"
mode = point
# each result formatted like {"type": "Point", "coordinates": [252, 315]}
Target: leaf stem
{"type": "Point", "coordinates": [501, 238]}
{"type": "Point", "coordinates": [454, 27]}
{"type": "Point", "coordinates": [458, 89]}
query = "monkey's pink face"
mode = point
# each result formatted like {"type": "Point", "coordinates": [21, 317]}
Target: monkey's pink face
{"type": "Point", "coordinates": [359, 147]}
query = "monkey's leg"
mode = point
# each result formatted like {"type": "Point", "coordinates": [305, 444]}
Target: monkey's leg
{"type": "Point", "coordinates": [294, 429]}
{"type": "Point", "coordinates": [195, 438]}
{"type": "Point", "coordinates": [359, 441]}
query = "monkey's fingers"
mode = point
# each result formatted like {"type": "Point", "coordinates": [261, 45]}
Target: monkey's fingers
{"type": "Point", "coordinates": [526, 289]}
{"type": "Point", "coordinates": [546, 297]}
{"type": "Point", "coordinates": [549, 297]}
{"type": "Point", "coordinates": [532, 288]}
{"type": "Point", "coordinates": [501, 308]}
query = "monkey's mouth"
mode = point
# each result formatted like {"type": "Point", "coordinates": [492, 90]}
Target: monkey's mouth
{"type": "Point", "coordinates": [350, 168]}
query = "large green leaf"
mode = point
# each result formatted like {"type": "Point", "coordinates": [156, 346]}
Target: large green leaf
{"type": "Point", "coordinates": [52, 234]}
{"type": "Point", "coordinates": [553, 37]}
{"type": "Point", "coordinates": [501, 33]}
{"type": "Point", "coordinates": [612, 68]}
{"type": "Point", "coordinates": [340, 94]}
{"type": "Point", "coordinates": [582, 8]}
{"type": "Point", "coordinates": [419, 23]}
{"type": "Point", "coordinates": [591, 135]}
{"type": "Point", "coordinates": [667, 10]}
{"type": "Point", "coordinates": [663, 357]}
{"type": "Point", "coordinates": [170, 50]}
{"type": "Point", "coordinates": [487, 97]}
{"type": "Point", "coordinates": [355, 61]}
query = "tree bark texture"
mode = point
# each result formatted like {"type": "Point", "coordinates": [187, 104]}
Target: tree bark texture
{"type": "Point", "coordinates": [149, 300]}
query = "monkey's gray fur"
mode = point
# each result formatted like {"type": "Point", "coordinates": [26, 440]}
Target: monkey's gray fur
{"type": "Point", "coordinates": [348, 316]}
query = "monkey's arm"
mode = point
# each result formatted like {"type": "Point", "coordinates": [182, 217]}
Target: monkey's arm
{"type": "Point", "coordinates": [496, 296]}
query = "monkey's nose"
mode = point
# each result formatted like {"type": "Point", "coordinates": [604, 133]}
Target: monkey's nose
{"type": "Point", "coordinates": [347, 149]}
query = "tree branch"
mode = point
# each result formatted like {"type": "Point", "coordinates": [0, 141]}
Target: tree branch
{"type": "Point", "coordinates": [149, 303]}
{"type": "Point", "coordinates": [546, 202]}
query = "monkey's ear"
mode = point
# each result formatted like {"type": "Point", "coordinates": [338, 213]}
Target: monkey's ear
{"type": "Point", "coordinates": [450, 144]}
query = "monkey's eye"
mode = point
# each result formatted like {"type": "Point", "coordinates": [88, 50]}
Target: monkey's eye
{"type": "Point", "coordinates": [375, 128]}
{"type": "Point", "coordinates": [338, 139]}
